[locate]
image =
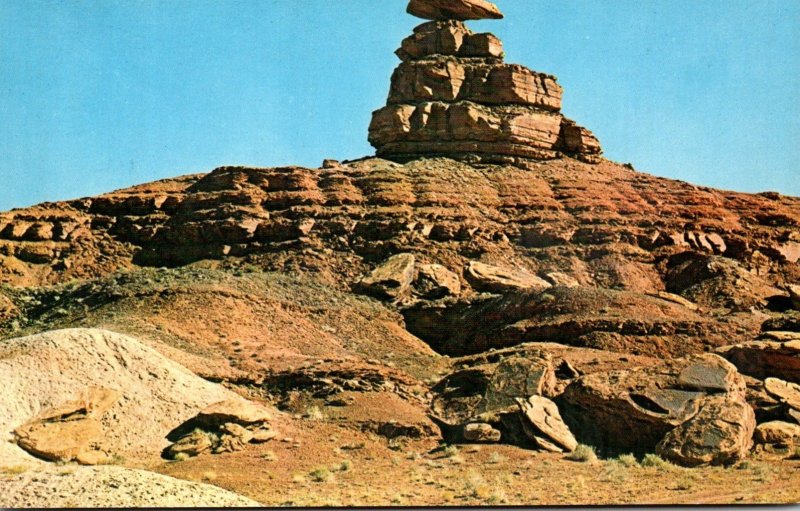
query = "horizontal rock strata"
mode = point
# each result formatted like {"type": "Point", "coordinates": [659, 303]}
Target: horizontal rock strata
{"type": "Point", "coordinates": [454, 96]}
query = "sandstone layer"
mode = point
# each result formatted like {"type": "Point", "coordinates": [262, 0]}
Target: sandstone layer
{"type": "Point", "coordinates": [454, 96]}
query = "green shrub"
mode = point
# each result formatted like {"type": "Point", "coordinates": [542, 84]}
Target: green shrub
{"type": "Point", "coordinates": [583, 453]}
{"type": "Point", "coordinates": [320, 475]}
{"type": "Point", "coordinates": [628, 460]}
{"type": "Point", "coordinates": [656, 461]}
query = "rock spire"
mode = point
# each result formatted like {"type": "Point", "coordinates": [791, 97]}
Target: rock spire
{"type": "Point", "coordinates": [453, 95]}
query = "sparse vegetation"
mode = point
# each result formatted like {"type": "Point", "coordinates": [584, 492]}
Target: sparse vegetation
{"type": "Point", "coordinates": [209, 476]}
{"type": "Point", "coordinates": [627, 460]}
{"type": "Point", "coordinates": [450, 451]}
{"type": "Point", "coordinates": [320, 475]}
{"type": "Point", "coordinates": [181, 456]}
{"type": "Point", "coordinates": [314, 413]}
{"type": "Point", "coordinates": [656, 461]}
{"type": "Point", "coordinates": [583, 453]}
{"type": "Point", "coordinates": [495, 458]}
{"type": "Point", "coordinates": [14, 470]}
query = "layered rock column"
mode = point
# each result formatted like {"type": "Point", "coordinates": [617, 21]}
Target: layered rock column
{"type": "Point", "coordinates": [453, 95]}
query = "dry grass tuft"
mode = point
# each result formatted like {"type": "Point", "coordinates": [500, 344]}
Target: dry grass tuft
{"type": "Point", "coordinates": [583, 453]}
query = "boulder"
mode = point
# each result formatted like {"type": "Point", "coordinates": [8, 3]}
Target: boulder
{"type": "Point", "coordinates": [485, 390]}
{"type": "Point", "coordinates": [69, 432]}
{"type": "Point", "coordinates": [632, 410]}
{"type": "Point", "coordinates": [720, 434]}
{"type": "Point", "coordinates": [778, 434]}
{"type": "Point", "coordinates": [764, 359]}
{"type": "Point", "coordinates": [561, 279]}
{"type": "Point", "coordinates": [787, 394]}
{"type": "Point", "coordinates": [193, 444]}
{"type": "Point", "coordinates": [670, 297]}
{"type": "Point", "coordinates": [516, 378]}
{"type": "Point", "coordinates": [233, 411]}
{"type": "Point", "coordinates": [794, 294]}
{"type": "Point", "coordinates": [450, 38]}
{"type": "Point", "coordinates": [579, 141]}
{"type": "Point", "coordinates": [226, 426]}
{"type": "Point", "coordinates": [391, 279]}
{"type": "Point", "coordinates": [542, 422]}
{"type": "Point", "coordinates": [481, 432]}
{"type": "Point", "coordinates": [434, 281]}
{"type": "Point", "coordinates": [454, 9]}
{"type": "Point", "coordinates": [494, 279]}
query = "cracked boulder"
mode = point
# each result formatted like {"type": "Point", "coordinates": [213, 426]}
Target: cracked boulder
{"type": "Point", "coordinates": [434, 281]}
{"type": "Point", "coordinates": [486, 390]}
{"type": "Point", "coordinates": [632, 411]}
{"type": "Point", "coordinates": [720, 434]}
{"type": "Point", "coordinates": [71, 431]}
{"type": "Point", "coordinates": [226, 426]}
{"type": "Point", "coordinates": [391, 279]}
{"type": "Point", "coordinates": [494, 279]}
{"type": "Point", "coordinates": [543, 424]}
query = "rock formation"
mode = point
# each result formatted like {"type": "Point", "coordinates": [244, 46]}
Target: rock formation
{"type": "Point", "coordinates": [454, 96]}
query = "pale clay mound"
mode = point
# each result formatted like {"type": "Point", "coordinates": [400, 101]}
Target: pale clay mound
{"type": "Point", "coordinates": [110, 486]}
{"type": "Point", "coordinates": [48, 369]}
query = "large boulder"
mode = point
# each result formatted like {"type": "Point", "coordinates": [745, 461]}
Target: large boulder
{"type": "Point", "coordinates": [787, 395]}
{"type": "Point", "coordinates": [491, 388]}
{"type": "Point", "coordinates": [454, 9]}
{"type": "Point", "coordinates": [71, 431]}
{"type": "Point", "coordinates": [633, 410]}
{"type": "Point", "coordinates": [777, 434]}
{"type": "Point", "coordinates": [543, 424]}
{"type": "Point", "coordinates": [391, 279]}
{"type": "Point", "coordinates": [720, 434]}
{"type": "Point", "coordinates": [49, 371]}
{"type": "Point", "coordinates": [226, 426]}
{"type": "Point", "coordinates": [494, 279]}
{"type": "Point", "coordinates": [435, 281]}
{"type": "Point", "coordinates": [448, 38]}
{"type": "Point", "coordinates": [764, 359]}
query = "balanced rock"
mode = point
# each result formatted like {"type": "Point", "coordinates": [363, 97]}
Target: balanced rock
{"type": "Point", "coordinates": [390, 279]}
{"type": "Point", "coordinates": [454, 9]}
{"type": "Point", "coordinates": [454, 96]}
{"type": "Point", "coordinates": [494, 279]}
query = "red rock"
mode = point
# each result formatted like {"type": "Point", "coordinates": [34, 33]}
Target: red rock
{"type": "Point", "coordinates": [454, 9]}
{"type": "Point", "coordinates": [720, 434]}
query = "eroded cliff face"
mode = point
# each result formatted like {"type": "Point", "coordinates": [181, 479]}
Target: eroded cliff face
{"type": "Point", "coordinates": [454, 96]}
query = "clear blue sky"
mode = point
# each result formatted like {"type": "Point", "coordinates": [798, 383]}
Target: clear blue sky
{"type": "Point", "coordinates": [97, 95]}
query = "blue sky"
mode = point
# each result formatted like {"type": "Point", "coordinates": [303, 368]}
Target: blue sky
{"type": "Point", "coordinates": [102, 94]}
